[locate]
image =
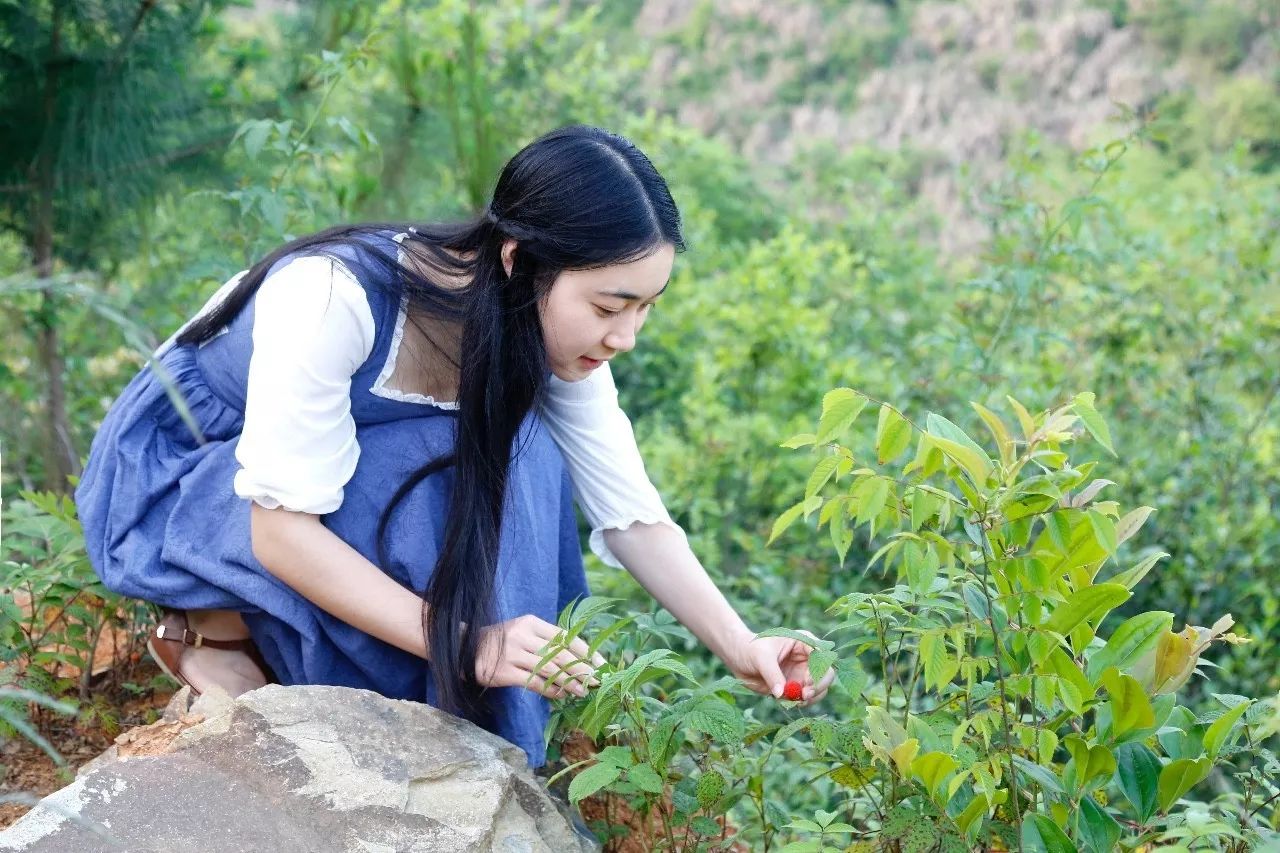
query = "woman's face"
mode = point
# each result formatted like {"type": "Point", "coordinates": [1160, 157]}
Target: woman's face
{"type": "Point", "coordinates": [592, 315]}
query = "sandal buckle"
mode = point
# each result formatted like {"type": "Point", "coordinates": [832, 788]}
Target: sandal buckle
{"type": "Point", "coordinates": [185, 639]}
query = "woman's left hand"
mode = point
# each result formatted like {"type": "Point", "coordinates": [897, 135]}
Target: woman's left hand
{"type": "Point", "coordinates": [766, 664]}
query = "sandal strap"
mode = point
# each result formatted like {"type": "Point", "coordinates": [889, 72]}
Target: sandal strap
{"type": "Point", "coordinates": [190, 638]}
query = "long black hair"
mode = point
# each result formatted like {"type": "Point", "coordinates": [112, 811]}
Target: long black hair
{"type": "Point", "coordinates": [577, 198]}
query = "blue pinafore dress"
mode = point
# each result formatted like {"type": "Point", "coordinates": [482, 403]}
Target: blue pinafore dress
{"type": "Point", "coordinates": [162, 522]}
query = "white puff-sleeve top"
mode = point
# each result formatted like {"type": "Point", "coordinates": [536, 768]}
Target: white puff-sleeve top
{"type": "Point", "coordinates": [313, 328]}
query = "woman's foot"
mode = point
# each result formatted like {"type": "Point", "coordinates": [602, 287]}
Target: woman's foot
{"type": "Point", "coordinates": [233, 670]}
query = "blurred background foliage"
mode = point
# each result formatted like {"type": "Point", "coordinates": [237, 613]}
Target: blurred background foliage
{"type": "Point", "coordinates": [150, 151]}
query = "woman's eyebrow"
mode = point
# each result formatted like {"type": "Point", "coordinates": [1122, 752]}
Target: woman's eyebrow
{"type": "Point", "coordinates": [624, 294]}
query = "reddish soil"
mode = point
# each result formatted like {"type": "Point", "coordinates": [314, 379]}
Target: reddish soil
{"type": "Point", "coordinates": [25, 768]}
{"type": "Point", "coordinates": [645, 832]}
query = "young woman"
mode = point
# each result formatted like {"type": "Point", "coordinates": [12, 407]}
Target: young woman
{"type": "Point", "coordinates": [386, 426]}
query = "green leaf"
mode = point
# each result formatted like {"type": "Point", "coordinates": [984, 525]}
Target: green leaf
{"type": "Point", "coordinates": [851, 677]}
{"type": "Point", "coordinates": [705, 826]}
{"type": "Point", "coordinates": [803, 439]}
{"type": "Point", "coordinates": [1134, 638]}
{"type": "Point", "coordinates": [1089, 765]}
{"type": "Point", "coordinates": [841, 535]}
{"type": "Point", "coordinates": [645, 778]}
{"type": "Point", "coordinates": [786, 520]}
{"type": "Point", "coordinates": [1004, 442]}
{"type": "Point", "coordinates": [1130, 577]}
{"type": "Point", "coordinates": [969, 818]}
{"type": "Point", "coordinates": [840, 408]}
{"type": "Point", "coordinates": [1104, 530]}
{"type": "Point", "coordinates": [819, 662]}
{"type": "Point", "coordinates": [933, 768]}
{"type": "Point", "coordinates": [719, 719]}
{"type": "Point", "coordinates": [1059, 527]}
{"type": "Point", "coordinates": [872, 494]}
{"type": "Point", "coordinates": [1216, 737]}
{"type": "Point", "coordinates": [591, 780]}
{"type": "Point", "coordinates": [1130, 707]}
{"type": "Point", "coordinates": [939, 666]}
{"type": "Point", "coordinates": [923, 505]}
{"type": "Point", "coordinates": [1098, 829]}
{"type": "Point", "coordinates": [1132, 522]}
{"type": "Point", "coordinates": [1042, 835]}
{"type": "Point", "coordinates": [1179, 777]}
{"type": "Point", "coordinates": [974, 463]}
{"type": "Point", "coordinates": [619, 756]}
{"type": "Point", "coordinates": [1086, 605]}
{"type": "Point", "coordinates": [255, 134]}
{"type": "Point", "coordinates": [1093, 422]}
{"type": "Point", "coordinates": [790, 634]}
{"type": "Point", "coordinates": [1042, 776]}
{"type": "Point", "coordinates": [1138, 774]}
{"type": "Point", "coordinates": [893, 434]}
{"type": "Point", "coordinates": [821, 474]}
{"type": "Point", "coordinates": [962, 449]}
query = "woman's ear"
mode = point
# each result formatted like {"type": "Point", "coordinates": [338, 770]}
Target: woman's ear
{"type": "Point", "coordinates": [508, 255]}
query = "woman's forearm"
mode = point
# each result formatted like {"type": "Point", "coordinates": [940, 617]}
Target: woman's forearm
{"type": "Point", "coordinates": [662, 562]}
{"type": "Point", "coordinates": [314, 561]}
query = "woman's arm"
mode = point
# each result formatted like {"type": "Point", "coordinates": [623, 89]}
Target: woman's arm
{"type": "Point", "coordinates": [661, 560]}
{"type": "Point", "coordinates": [313, 560]}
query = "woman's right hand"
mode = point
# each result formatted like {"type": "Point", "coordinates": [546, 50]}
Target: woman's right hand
{"type": "Point", "coordinates": [509, 651]}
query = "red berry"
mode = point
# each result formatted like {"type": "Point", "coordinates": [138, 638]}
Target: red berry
{"type": "Point", "coordinates": [792, 691]}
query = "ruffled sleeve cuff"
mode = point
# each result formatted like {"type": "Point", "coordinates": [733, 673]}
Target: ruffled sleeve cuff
{"type": "Point", "coordinates": [277, 498]}
{"type": "Point", "coordinates": [601, 550]}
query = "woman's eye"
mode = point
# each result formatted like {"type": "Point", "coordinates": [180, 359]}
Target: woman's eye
{"type": "Point", "coordinates": [605, 312]}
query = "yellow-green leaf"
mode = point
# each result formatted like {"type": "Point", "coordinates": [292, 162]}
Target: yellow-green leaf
{"type": "Point", "coordinates": [1130, 707]}
{"type": "Point", "coordinates": [840, 408]}
{"type": "Point", "coordinates": [803, 439]}
{"type": "Point", "coordinates": [784, 521]}
{"type": "Point", "coordinates": [933, 768]}
{"type": "Point", "coordinates": [1132, 522]}
{"type": "Point", "coordinates": [1130, 577]}
{"type": "Point", "coordinates": [1004, 442]}
{"type": "Point", "coordinates": [1216, 737]}
{"type": "Point", "coordinates": [972, 462]}
{"type": "Point", "coordinates": [1179, 777]}
{"type": "Point", "coordinates": [1134, 638]}
{"type": "Point", "coordinates": [1086, 605]}
{"type": "Point", "coordinates": [821, 474]}
{"type": "Point", "coordinates": [1093, 422]}
{"type": "Point", "coordinates": [903, 754]}
{"type": "Point", "coordinates": [893, 434]}
{"type": "Point", "coordinates": [1104, 530]}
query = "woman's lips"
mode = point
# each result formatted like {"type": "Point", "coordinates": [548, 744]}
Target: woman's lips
{"type": "Point", "coordinates": [590, 362]}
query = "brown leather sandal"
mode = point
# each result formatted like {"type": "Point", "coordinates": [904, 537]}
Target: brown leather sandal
{"type": "Point", "coordinates": [173, 630]}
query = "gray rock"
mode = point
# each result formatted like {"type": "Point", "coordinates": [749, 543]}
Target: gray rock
{"type": "Point", "coordinates": [308, 769]}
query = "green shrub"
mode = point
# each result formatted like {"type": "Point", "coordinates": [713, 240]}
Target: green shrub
{"type": "Point", "coordinates": [981, 702]}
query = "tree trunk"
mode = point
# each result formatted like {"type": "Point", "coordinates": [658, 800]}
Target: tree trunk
{"type": "Point", "coordinates": [61, 453]}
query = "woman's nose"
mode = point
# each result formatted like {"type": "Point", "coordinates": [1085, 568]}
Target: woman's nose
{"type": "Point", "coordinates": [622, 337]}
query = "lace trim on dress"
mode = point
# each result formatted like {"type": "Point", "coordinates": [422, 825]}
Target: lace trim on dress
{"type": "Point", "coordinates": [397, 335]}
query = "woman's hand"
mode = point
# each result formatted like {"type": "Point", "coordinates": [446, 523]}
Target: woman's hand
{"type": "Point", "coordinates": [766, 664]}
{"type": "Point", "coordinates": [509, 651]}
